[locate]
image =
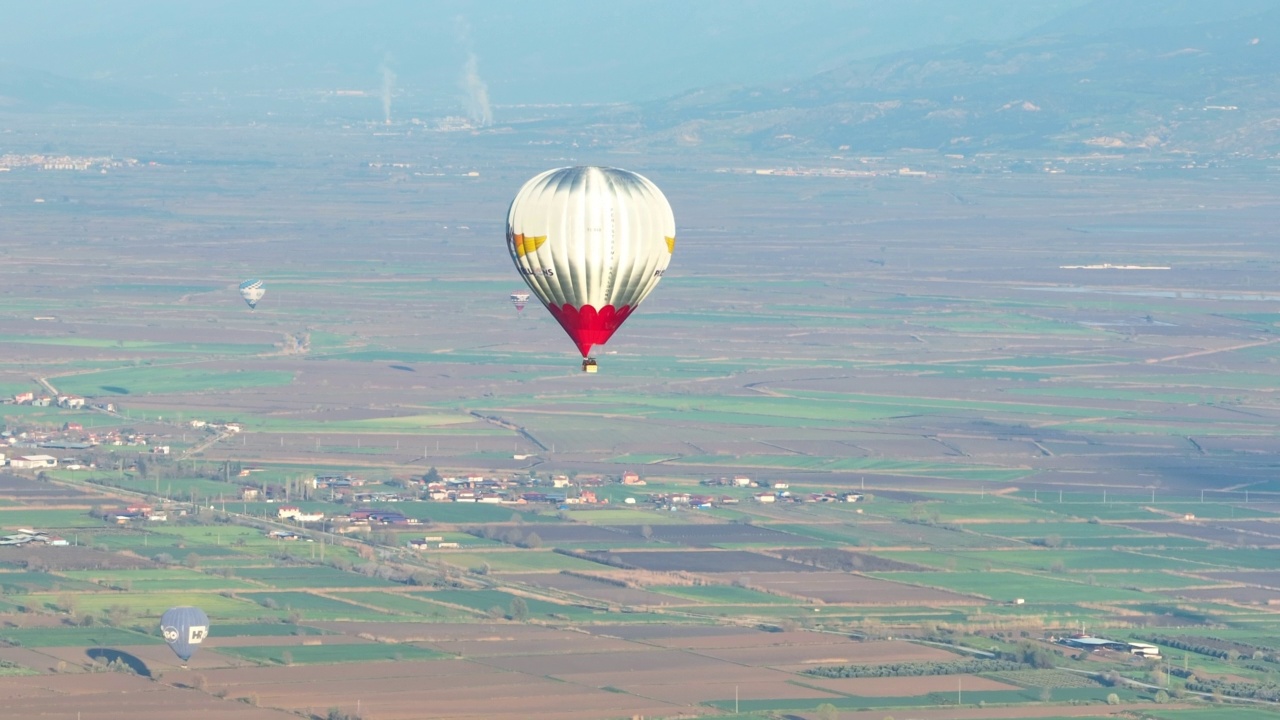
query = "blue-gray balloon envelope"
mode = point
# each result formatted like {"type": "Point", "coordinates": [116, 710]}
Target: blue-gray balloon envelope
{"type": "Point", "coordinates": [184, 628]}
{"type": "Point", "coordinates": [252, 291]}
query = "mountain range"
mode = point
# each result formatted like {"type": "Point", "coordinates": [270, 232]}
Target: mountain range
{"type": "Point", "coordinates": [1138, 76]}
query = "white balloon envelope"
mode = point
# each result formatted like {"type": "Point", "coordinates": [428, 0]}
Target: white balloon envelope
{"type": "Point", "coordinates": [591, 243]}
{"type": "Point", "coordinates": [252, 291]}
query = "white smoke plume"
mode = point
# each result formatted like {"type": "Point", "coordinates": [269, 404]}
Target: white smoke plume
{"type": "Point", "coordinates": [477, 91]}
{"type": "Point", "coordinates": [478, 107]}
{"type": "Point", "coordinates": [388, 84]}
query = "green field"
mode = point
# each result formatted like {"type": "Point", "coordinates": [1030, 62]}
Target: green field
{"type": "Point", "coordinates": [160, 379]}
{"type": "Point", "coordinates": [722, 595]}
{"type": "Point", "coordinates": [310, 576]}
{"type": "Point", "coordinates": [327, 654]}
{"type": "Point", "coordinates": [77, 637]}
{"type": "Point", "coordinates": [309, 606]}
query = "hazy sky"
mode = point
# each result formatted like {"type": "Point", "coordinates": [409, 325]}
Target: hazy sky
{"type": "Point", "coordinates": [522, 52]}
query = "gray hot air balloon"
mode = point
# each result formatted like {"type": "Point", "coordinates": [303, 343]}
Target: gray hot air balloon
{"type": "Point", "coordinates": [252, 291]}
{"type": "Point", "coordinates": [184, 628]}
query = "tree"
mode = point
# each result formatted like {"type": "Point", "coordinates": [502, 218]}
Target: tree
{"type": "Point", "coordinates": [646, 532]}
{"type": "Point", "coordinates": [1162, 697]}
{"type": "Point", "coordinates": [432, 476]}
{"type": "Point", "coordinates": [827, 711]}
{"type": "Point", "coordinates": [1113, 699]}
{"type": "Point", "coordinates": [519, 609]}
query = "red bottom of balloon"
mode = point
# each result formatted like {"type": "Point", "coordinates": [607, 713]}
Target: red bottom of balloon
{"type": "Point", "coordinates": [588, 326]}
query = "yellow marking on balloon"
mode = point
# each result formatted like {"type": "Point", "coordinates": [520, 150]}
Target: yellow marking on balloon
{"type": "Point", "coordinates": [671, 245]}
{"type": "Point", "coordinates": [525, 245]}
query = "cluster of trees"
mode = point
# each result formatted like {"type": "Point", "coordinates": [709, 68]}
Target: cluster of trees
{"type": "Point", "coordinates": [916, 669]}
{"type": "Point", "coordinates": [511, 536]}
{"type": "Point", "coordinates": [1034, 654]}
{"type": "Point", "coordinates": [1213, 648]}
{"type": "Point", "coordinates": [336, 714]}
{"type": "Point", "coordinates": [1257, 691]}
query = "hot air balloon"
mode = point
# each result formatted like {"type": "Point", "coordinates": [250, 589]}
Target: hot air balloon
{"type": "Point", "coordinates": [184, 628]}
{"type": "Point", "coordinates": [591, 243]}
{"type": "Point", "coordinates": [252, 291]}
{"type": "Point", "coordinates": [519, 299]}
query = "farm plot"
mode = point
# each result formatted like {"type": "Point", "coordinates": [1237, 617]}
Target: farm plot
{"type": "Point", "coordinates": [412, 690]}
{"type": "Point", "coordinates": [680, 687]}
{"type": "Point", "coordinates": [25, 490]}
{"type": "Point", "coordinates": [902, 534]}
{"type": "Point", "coordinates": [906, 686]}
{"type": "Point", "coordinates": [619, 664]}
{"type": "Point", "coordinates": [1264, 578]}
{"type": "Point", "coordinates": [1213, 533]}
{"type": "Point", "coordinates": [579, 534]}
{"type": "Point", "coordinates": [13, 518]}
{"type": "Point", "coordinates": [1005, 586]}
{"type": "Point", "coordinates": [401, 604]}
{"type": "Point", "coordinates": [847, 589]}
{"type": "Point", "coordinates": [600, 590]}
{"type": "Point", "coordinates": [512, 560]}
{"type": "Point", "coordinates": [496, 601]}
{"type": "Point", "coordinates": [115, 697]}
{"type": "Point", "coordinates": [723, 595]}
{"type": "Point", "coordinates": [153, 604]}
{"type": "Point", "coordinates": [846, 560]}
{"type": "Point", "coordinates": [264, 630]}
{"type": "Point", "coordinates": [695, 561]}
{"type": "Point", "coordinates": [1224, 559]}
{"type": "Point", "coordinates": [328, 654]}
{"type": "Point", "coordinates": [1073, 560]}
{"type": "Point", "coordinates": [1145, 580]}
{"type": "Point", "coordinates": [549, 642]}
{"type": "Point", "coordinates": [1258, 527]}
{"type": "Point", "coordinates": [74, 637]}
{"type": "Point", "coordinates": [708, 535]}
{"type": "Point", "coordinates": [310, 606]}
{"type": "Point", "coordinates": [846, 652]}
{"type": "Point", "coordinates": [29, 581]}
{"type": "Point", "coordinates": [1243, 595]}
{"type": "Point", "coordinates": [157, 579]}
{"type": "Point", "coordinates": [310, 576]}
{"type": "Point", "coordinates": [1067, 531]}
{"type": "Point", "coordinates": [77, 558]}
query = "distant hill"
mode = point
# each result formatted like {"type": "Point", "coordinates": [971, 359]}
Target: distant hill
{"type": "Point", "coordinates": [26, 90]}
{"type": "Point", "coordinates": [1143, 76]}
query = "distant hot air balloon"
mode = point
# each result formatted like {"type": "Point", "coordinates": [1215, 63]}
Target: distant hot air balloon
{"type": "Point", "coordinates": [591, 243]}
{"type": "Point", "coordinates": [519, 299]}
{"type": "Point", "coordinates": [184, 628]}
{"type": "Point", "coordinates": [252, 291]}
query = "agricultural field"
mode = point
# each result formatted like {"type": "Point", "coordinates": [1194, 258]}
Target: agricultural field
{"type": "Point", "coordinates": [908, 453]}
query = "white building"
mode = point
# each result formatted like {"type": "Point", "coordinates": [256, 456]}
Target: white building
{"type": "Point", "coordinates": [31, 462]}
